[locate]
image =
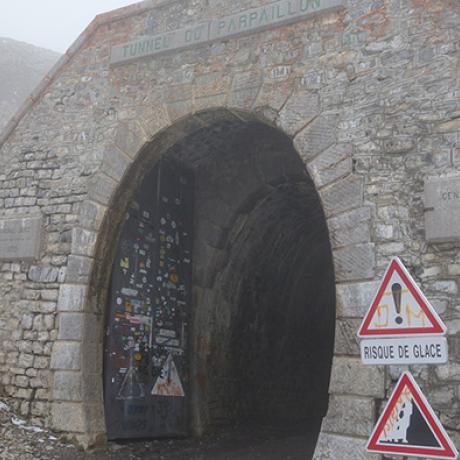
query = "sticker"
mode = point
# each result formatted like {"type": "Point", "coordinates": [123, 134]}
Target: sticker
{"type": "Point", "coordinates": [167, 333]}
{"type": "Point", "coordinates": [167, 341]}
{"type": "Point", "coordinates": [129, 292]}
{"type": "Point", "coordinates": [138, 319]}
{"type": "Point", "coordinates": [168, 382]}
{"type": "Point", "coordinates": [174, 351]}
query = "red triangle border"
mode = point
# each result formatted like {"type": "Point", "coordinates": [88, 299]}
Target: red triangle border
{"type": "Point", "coordinates": [448, 450]}
{"type": "Point", "coordinates": [437, 327]}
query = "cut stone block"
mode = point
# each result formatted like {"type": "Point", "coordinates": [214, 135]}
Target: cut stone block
{"type": "Point", "coordinates": [343, 195]}
{"type": "Point", "coordinates": [316, 137]}
{"type": "Point", "coordinates": [68, 417]}
{"type": "Point", "coordinates": [335, 447]}
{"type": "Point", "coordinates": [350, 227]}
{"type": "Point", "coordinates": [72, 297]}
{"type": "Point", "coordinates": [115, 162]}
{"type": "Point", "coordinates": [299, 110]}
{"type": "Point", "coordinates": [78, 269]}
{"type": "Point", "coordinates": [67, 386]}
{"type": "Point", "coordinates": [354, 262]}
{"type": "Point", "coordinates": [71, 326]}
{"type": "Point", "coordinates": [351, 377]}
{"type": "Point", "coordinates": [354, 299]}
{"type": "Point", "coordinates": [66, 356]}
{"type": "Point", "coordinates": [350, 415]}
{"type": "Point", "coordinates": [332, 164]}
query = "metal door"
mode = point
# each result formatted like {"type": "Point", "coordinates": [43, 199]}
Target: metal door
{"type": "Point", "coordinates": [146, 372]}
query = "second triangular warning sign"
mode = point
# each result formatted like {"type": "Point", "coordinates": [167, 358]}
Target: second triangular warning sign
{"type": "Point", "coordinates": [400, 308]}
{"type": "Point", "coordinates": [408, 426]}
{"type": "Point", "coordinates": [168, 382]}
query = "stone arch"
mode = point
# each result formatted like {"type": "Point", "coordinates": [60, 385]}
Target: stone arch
{"type": "Point", "coordinates": [78, 350]}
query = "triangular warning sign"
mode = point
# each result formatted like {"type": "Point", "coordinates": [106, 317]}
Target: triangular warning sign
{"type": "Point", "coordinates": [400, 308]}
{"type": "Point", "coordinates": [408, 426]}
{"type": "Point", "coordinates": [168, 382]}
{"type": "Point", "coordinates": [131, 387]}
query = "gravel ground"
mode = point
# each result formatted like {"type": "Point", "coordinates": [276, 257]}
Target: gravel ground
{"type": "Point", "coordinates": [21, 441]}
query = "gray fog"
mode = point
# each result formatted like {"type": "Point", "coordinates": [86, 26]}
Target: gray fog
{"type": "Point", "coordinates": [52, 24]}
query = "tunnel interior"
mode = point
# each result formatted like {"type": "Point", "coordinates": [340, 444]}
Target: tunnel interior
{"type": "Point", "coordinates": [263, 313]}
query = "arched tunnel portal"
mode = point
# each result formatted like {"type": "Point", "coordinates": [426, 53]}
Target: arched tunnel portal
{"type": "Point", "coordinates": [259, 322]}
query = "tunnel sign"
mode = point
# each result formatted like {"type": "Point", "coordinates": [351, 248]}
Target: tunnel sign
{"type": "Point", "coordinates": [408, 426]}
{"type": "Point", "coordinates": [400, 308]}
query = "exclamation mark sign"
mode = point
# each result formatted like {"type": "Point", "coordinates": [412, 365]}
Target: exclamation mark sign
{"type": "Point", "coordinates": [396, 289]}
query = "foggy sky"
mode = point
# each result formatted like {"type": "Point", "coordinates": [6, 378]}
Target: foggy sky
{"type": "Point", "coordinates": [52, 24]}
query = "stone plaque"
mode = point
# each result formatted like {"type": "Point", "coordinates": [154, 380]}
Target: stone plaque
{"type": "Point", "coordinates": [248, 21]}
{"type": "Point", "coordinates": [442, 208]}
{"type": "Point", "coordinates": [20, 239]}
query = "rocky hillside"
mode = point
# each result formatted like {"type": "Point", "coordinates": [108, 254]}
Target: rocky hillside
{"type": "Point", "coordinates": [22, 66]}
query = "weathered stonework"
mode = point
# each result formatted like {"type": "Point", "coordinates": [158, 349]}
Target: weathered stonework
{"type": "Point", "coordinates": [369, 93]}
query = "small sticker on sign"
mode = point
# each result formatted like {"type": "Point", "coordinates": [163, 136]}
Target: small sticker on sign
{"type": "Point", "coordinates": [168, 382]}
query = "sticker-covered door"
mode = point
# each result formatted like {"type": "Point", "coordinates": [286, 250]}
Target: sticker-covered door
{"type": "Point", "coordinates": [146, 369]}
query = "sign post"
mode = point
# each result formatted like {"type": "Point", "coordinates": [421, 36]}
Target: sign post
{"type": "Point", "coordinates": [402, 327]}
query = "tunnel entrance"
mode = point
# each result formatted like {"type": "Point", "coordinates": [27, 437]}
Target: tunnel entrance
{"type": "Point", "coordinates": [261, 317]}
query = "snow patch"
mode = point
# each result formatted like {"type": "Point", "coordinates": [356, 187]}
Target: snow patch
{"type": "Point", "coordinates": [4, 407]}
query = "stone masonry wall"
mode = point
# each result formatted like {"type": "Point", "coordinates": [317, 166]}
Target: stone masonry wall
{"type": "Point", "coordinates": [371, 96]}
